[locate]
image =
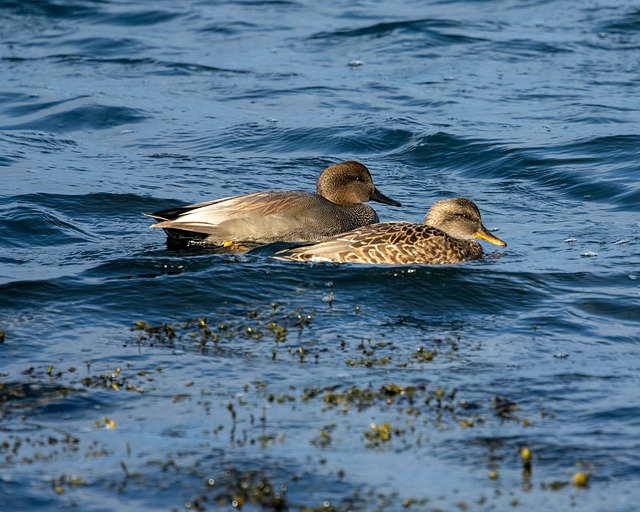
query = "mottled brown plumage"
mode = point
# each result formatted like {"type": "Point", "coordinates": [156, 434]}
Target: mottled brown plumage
{"type": "Point", "coordinates": [281, 215]}
{"type": "Point", "coordinates": [447, 236]}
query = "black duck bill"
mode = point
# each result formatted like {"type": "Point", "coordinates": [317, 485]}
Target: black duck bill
{"type": "Point", "coordinates": [381, 198]}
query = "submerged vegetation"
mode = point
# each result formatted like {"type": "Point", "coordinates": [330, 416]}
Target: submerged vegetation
{"type": "Point", "coordinates": [269, 332]}
{"type": "Point", "coordinates": [275, 324]}
{"type": "Point", "coordinates": [241, 459]}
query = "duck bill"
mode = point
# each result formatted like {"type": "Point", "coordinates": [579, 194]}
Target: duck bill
{"type": "Point", "coordinates": [381, 198]}
{"type": "Point", "coordinates": [483, 234]}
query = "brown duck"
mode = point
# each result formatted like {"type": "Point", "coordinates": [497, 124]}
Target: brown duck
{"type": "Point", "coordinates": [280, 215]}
{"type": "Point", "coordinates": [448, 235]}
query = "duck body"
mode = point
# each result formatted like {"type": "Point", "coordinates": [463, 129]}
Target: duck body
{"type": "Point", "coordinates": [264, 217]}
{"type": "Point", "coordinates": [280, 215]}
{"type": "Point", "coordinates": [448, 235]}
{"type": "Point", "coordinates": [390, 243]}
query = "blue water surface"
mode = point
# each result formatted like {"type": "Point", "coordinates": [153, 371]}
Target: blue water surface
{"type": "Point", "coordinates": [134, 376]}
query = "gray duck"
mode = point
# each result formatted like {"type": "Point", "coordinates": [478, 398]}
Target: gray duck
{"type": "Point", "coordinates": [280, 215]}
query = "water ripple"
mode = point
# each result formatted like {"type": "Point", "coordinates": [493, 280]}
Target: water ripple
{"type": "Point", "coordinates": [83, 117]}
{"type": "Point", "coordinates": [576, 170]}
{"type": "Point", "coordinates": [433, 32]}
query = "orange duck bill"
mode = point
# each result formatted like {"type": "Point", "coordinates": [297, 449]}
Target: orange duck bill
{"type": "Point", "coordinates": [484, 234]}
